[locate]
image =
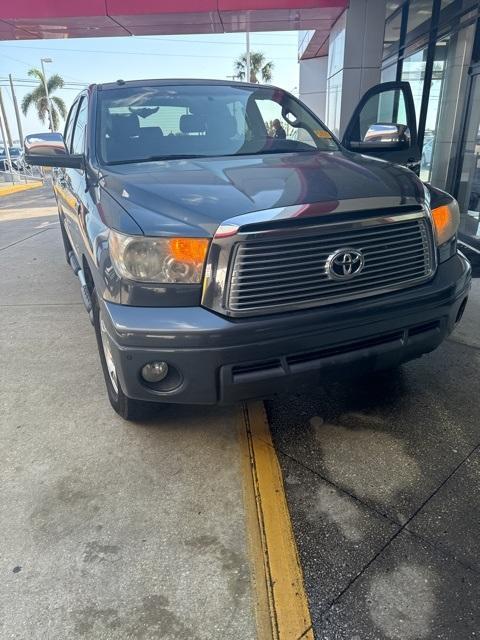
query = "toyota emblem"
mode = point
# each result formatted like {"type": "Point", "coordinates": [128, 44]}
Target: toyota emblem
{"type": "Point", "coordinates": [344, 264]}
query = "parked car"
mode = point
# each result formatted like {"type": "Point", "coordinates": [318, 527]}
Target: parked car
{"type": "Point", "coordinates": [16, 157]}
{"type": "Point", "coordinates": [218, 263]}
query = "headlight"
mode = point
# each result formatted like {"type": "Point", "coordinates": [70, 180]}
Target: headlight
{"type": "Point", "coordinates": [160, 260]}
{"type": "Point", "coordinates": [446, 219]}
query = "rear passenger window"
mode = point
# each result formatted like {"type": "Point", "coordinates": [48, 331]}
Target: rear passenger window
{"type": "Point", "coordinates": [163, 118]}
{"type": "Point", "coordinates": [166, 118]}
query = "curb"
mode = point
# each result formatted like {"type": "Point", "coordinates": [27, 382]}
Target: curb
{"type": "Point", "coordinates": [281, 603]}
{"type": "Point", "coordinates": [6, 190]}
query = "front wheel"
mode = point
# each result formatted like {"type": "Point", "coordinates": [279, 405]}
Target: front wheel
{"type": "Point", "coordinates": [127, 408]}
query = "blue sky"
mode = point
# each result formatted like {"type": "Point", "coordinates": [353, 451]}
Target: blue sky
{"type": "Point", "coordinates": [85, 60]}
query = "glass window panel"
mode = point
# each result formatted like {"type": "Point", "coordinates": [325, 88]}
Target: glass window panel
{"type": "Point", "coordinates": [392, 33]}
{"type": "Point", "coordinates": [419, 13]}
{"type": "Point", "coordinates": [334, 102]}
{"type": "Point", "coordinates": [444, 118]}
{"type": "Point", "coordinates": [414, 72]}
{"type": "Point", "coordinates": [469, 190]}
{"type": "Point", "coordinates": [392, 5]}
{"type": "Point", "coordinates": [433, 111]}
{"type": "Point", "coordinates": [389, 74]}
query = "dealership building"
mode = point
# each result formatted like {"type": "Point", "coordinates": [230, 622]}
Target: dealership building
{"type": "Point", "coordinates": [432, 44]}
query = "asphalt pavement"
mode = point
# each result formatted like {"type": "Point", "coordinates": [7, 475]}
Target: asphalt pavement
{"type": "Point", "coordinates": [382, 478]}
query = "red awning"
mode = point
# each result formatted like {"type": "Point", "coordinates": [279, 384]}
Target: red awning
{"type": "Point", "coordinates": [30, 19]}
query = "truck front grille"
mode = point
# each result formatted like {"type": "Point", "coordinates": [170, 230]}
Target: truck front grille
{"type": "Point", "coordinates": [275, 274]}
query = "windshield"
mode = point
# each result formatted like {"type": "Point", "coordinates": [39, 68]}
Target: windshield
{"type": "Point", "coordinates": [138, 124]}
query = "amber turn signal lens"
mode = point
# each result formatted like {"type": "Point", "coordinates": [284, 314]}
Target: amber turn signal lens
{"type": "Point", "coordinates": [441, 217]}
{"type": "Point", "coordinates": [446, 219]}
{"type": "Point", "coordinates": [190, 250]}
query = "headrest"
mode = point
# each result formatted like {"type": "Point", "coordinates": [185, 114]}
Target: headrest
{"type": "Point", "coordinates": [124, 125]}
{"type": "Point", "coordinates": [191, 123]}
{"type": "Point", "coordinates": [223, 124]}
{"type": "Point", "coordinates": [151, 132]}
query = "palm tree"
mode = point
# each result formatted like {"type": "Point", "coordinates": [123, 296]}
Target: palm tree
{"type": "Point", "coordinates": [38, 98]}
{"type": "Point", "coordinates": [258, 67]}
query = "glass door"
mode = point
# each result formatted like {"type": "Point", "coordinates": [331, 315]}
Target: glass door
{"type": "Point", "coordinates": [469, 178]}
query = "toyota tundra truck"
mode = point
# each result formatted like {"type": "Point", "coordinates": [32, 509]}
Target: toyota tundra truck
{"type": "Point", "coordinates": [220, 261]}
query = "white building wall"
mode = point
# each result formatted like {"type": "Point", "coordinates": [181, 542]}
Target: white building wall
{"type": "Point", "coordinates": [353, 63]}
{"type": "Point", "coordinates": [313, 84]}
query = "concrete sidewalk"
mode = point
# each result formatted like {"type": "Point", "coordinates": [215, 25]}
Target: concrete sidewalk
{"type": "Point", "coordinates": [109, 530]}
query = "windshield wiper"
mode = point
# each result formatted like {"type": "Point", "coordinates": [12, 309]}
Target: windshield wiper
{"type": "Point", "coordinates": [158, 158]}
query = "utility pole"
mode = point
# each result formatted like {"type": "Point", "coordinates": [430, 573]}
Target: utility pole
{"type": "Point", "coordinates": [4, 117]}
{"type": "Point", "coordinates": [45, 84]}
{"type": "Point", "coordinates": [5, 144]}
{"type": "Point", "coordinates": [249, 79]}
{"type": "Point", "coordinates": [17, 112]}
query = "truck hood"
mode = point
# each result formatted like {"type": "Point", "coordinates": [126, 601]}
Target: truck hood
{"type": "Point", "coordinates": [194, 196]}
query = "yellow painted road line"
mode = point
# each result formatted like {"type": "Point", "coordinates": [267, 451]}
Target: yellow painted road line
{"type": "Point", "coordinates": [7, 189]}
{"type": "Point", "coordinates": [281, 602]}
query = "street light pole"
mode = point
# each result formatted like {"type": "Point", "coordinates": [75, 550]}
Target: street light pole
{"type": "Point", "coordinates": [42, 60]}
{"type": "Point", "coordinates": [249, 79]}
{"type": "Point", "coordinates": [5, 121]}
{"type": "Point", "coordinates": [17, 112]}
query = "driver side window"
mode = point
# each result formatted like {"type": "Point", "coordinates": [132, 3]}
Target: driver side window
{"type": "Point", "coordinates": [78, 142]}
{"type": "Point", "coordinates": [69, 126]}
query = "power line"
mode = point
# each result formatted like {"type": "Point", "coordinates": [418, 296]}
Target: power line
{"type": "Point", "coordinates": [33, 86]}
{"type": "Point", "coordinates": [29, 80]}
{"type": "Point", "coordinates": [132, 53]}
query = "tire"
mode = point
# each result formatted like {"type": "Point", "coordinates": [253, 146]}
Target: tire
{"type": "Point", "coordinates": [127, 408]}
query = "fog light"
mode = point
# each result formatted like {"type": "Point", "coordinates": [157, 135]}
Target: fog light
{"type": "Point", "coordinates": [155, 371]}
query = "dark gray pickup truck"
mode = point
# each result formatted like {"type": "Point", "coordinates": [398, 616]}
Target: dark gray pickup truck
{"type": "Point", "coordinates": [225, 256]}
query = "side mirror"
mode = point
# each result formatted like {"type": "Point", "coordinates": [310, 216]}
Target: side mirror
{"type": "Point", "coordinates": [382, 132]}
{"type": "Point", "coordinates": [49, 150]}
{"type": "Point", "coordinates": [383, 135]}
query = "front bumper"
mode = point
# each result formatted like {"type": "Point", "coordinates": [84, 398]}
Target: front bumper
{"type": "Point", "coordinates": [218, 360]}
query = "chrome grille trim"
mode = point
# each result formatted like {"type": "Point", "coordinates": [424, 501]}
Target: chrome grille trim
{"type": "Point", "coordinates": [252, 272]}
